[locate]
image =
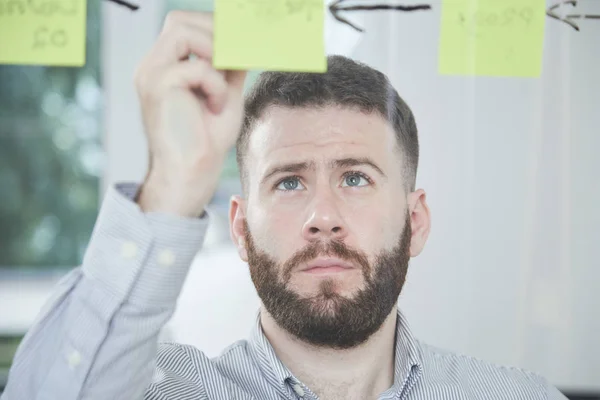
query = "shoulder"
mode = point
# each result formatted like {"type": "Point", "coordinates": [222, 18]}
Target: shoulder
{"type": "Point", "coordinates": [185, 370]}
{"type": "Point", "coordinates": [184, 366]}
{"type": "Point", "coordinates": [177, 356]}
{"type": "Point", "coordinates": [483, 379]}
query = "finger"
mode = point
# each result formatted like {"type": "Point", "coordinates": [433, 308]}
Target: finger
{"type": "Point", "coordinates": [236, 78]}
{"type": "Point", "coordinates": [198, 75]}
{"type": "Point", "coordinates": [179, 42]}
{"type": "Point", "coordinates": [200, 20]}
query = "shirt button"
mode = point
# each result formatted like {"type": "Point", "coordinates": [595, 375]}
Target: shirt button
{"type": "Point", "coordinates": [166, 258]}
{"type": "Point", "coordinates": [298, 389]}
{"type": "Point", "coordinates": [74, 359]}
{"type": "Point", "coordinates": [129, 250]}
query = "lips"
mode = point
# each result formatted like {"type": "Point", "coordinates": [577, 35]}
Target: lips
{"type": "Point", "coordinates": [329, 264]}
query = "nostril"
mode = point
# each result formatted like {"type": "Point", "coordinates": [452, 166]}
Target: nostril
{"type": "Point", "coordinates": [313, 230]}
{"type": "Point", "coordinates": [336, 229]}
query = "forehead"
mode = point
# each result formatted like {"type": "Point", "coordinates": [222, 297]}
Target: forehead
{"type": "Point", "coordinates": [317, 134]}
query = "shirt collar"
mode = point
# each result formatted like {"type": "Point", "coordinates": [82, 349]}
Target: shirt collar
{"type": "Point", "coordinates": [408, 364]}
{"type": "Point", "coordinates": [276, 373]}
{"type": "Point", "coordinates": [408, 361]}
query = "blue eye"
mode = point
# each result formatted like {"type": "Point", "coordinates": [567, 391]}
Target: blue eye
{"type": "Point", "coordinates": [355, 179]}
{"type": "Point", "coordinates": [289, 184]}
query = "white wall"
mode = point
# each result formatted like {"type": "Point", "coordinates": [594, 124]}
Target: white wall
{"type": "Point", "coordinates": [126, 38]}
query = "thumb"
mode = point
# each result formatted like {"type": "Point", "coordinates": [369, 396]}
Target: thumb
{"type": "Point", "coordinates": [236, 78]}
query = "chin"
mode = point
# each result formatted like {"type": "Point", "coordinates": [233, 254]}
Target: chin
{"type": "Point", "coordinates": [325, 290]}
{"type": "Point", "coordinates": [325, 306]}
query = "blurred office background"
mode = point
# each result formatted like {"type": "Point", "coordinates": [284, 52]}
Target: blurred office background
{"type": "Point", "coordinates": [510, 273]}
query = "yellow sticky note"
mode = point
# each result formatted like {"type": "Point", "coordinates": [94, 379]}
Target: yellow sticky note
{"type": "Point", "coordinates": [492, 37]}
{"type": "Point", "coordinates": [280, 35]}
{"type": "Point", "coordinates": [43, 32]}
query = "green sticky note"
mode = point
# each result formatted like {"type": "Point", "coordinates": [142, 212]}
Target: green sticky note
{"type": "Point", "coordinates": [280, 35]}
{"type": "Point", "coordinates": [492, 37]}
{"type": "Point", "coordinates": [43, 32]}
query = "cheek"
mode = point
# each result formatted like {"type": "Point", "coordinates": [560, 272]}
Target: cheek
{"type": "Point", "coordinates": [374, 226]}
{"type": "Point", "coordinates": [276, 230]}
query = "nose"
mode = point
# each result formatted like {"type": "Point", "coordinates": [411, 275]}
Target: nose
{"type": "Point", "coordinates": [325, 220]}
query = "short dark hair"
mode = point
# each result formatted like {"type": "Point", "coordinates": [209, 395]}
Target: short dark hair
{"type": "Point", "coordinates": [346, 83]}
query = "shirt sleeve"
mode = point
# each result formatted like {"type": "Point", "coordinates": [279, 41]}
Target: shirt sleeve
{"type": "Point", "coordinates": [554, 393]}
{"type": "Point", "coordinates": [97, 336]}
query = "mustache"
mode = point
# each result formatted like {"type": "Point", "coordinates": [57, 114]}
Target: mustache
{"type": "Point", "coordinates": [332, 248]}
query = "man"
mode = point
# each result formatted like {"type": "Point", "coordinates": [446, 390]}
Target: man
{"type": "Point", "coordinates": [327, 223]}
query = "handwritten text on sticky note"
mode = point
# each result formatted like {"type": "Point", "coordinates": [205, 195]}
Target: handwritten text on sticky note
{"type": "Point", "coordinates": [46, 32]}
{"type": "Point", "coordinates": [492, 37]}
{"type": "Point", "coordinates": [282, 35]}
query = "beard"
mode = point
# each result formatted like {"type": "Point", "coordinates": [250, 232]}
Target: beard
{"type": "Point", "coordinates": [329, 319]}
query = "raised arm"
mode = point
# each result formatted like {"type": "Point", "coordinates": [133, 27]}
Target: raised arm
{"type": "Point", "coordinates": [96, 338]}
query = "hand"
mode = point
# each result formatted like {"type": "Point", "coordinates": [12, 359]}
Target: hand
{"type": "Point", "coordinates": [192, 115]}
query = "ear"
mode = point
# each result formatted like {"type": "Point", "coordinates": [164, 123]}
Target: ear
{"type": "Point", "coordinates": [420, 221]}
{"type": "Point", "coordinates": [237, 218]}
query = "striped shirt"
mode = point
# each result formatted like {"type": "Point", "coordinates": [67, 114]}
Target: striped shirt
{"type": "Point", "coordinates": [97, 337]}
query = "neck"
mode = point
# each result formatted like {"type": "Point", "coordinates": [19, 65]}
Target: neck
{"type": "Point", "coordinates": [362, 372]}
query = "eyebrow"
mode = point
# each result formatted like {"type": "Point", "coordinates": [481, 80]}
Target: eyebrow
{"type": "Point", "coordinates": [310, 165]}
{"type": "Point", "coordinates": [289, 168]}
{"type": "Point", "coordinates": [353, 162]}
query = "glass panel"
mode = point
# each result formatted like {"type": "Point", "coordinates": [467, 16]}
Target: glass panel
{"type": "Point", "coordinates": [510, 167]}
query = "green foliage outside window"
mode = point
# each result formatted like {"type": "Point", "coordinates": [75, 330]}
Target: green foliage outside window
{"type": "Point", "coordinates": [50, 158]}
